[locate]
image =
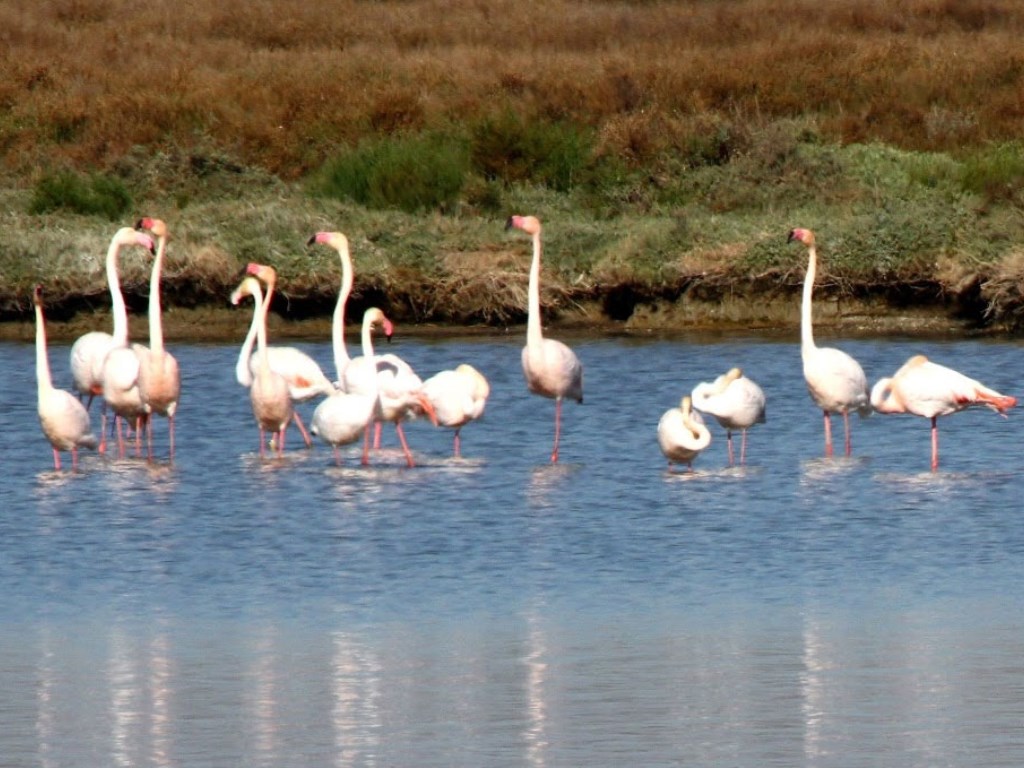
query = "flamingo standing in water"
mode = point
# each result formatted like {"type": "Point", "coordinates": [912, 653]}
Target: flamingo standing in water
{"type": "Point", "coordinates": [64, 419]}
{"type": "Point", "coordinates": [459, 397]}
{"type": "Point", "coordinates": [550, 367]}
{"type": "Point", "coordinates": [682, 434]}
{"type": "Point", "coordinates": [90, 350]}
{"type": "Point", "coordinates": [346, 415]}
{"type": "Point", "coordinates": [269, 393]}
{"type": "Point", "coordinates": [303, 374]}
{"type": "Point", "coordinates": [735, 401]}
{"type": "Point", "coordinates": [159, 378]}
{"type": "Point", "coordinates": [928, 389]}
{"type": "Point", "coordinates": [835, 380]}
{"type": "Point", "coordinates": [339, 242]}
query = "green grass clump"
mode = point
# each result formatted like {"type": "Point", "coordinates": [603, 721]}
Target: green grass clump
{"type": "Point", "coordinates": [407, 173]}
{"type": "Point", "coordinates": [996, 172]}
{"type": "Point", "coordinates": [94, 195]}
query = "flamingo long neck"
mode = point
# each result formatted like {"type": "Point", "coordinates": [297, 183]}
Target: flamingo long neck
{"type": "Point", "coordinates": [368, 338]}
{"type": "Point", "coordinates": [701, 434]}
{"type": "Point", "coordinates": [806, 328]}
{"type": "Point", "coordinates": [341, 356]}
{"type": "Point", "coordinates": [242, 370]}
{"type": "Point", "coordinates": [118, 308]}
{"type": "Point", "coordinates": [261, 332]}
{"type": "Point", "coordinates": [45, 383]}
{"type": "Point", "coordinates": [534, 335]}
{"type": "Point", "coordinates": [156, 329]}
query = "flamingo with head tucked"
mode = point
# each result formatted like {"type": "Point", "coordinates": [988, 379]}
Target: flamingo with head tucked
{"type": "Point", "coordinates": [550, 367]}
{"type": "Point", "coordinates": [159, 377]}
{"type": "Point", "coordinates": [65, 421]}
{"type": "Point", "coordinates": [928, 389]}
{"type": "Point", "coordinates": [735, 401]}
{"type": "Point", "coordinates": [459, 397]}
{"type": "Point", "coordinates": [682, 434]}
{"type": "Point", "coordinates": [835, 380]}
{"type": "Point", "coordinates": [269, 393]}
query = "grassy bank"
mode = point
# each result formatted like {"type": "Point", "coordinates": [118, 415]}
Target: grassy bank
{"type": "Point", "coordinates": [668, 148]}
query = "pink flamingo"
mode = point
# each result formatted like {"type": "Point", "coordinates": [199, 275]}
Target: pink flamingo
{"type": "Point", "coordinates": [550, 367]}
{"type": "Point", "coordinates": [64, 419]}
{"type": "Point", "coordinates": [159, 378]}
{"type": "Point", "coordinates": [339, 242]}
{"type": "Point", "coordinates": [928, 389]}
{"type": "Point", "coordinates": [459, 397]}
{"type": "Point", "coordinates": [682, 434]}
{"type": "Point", "coordinates": [735, 401]}
{"type": "Point", "coordinates": [835, 380]}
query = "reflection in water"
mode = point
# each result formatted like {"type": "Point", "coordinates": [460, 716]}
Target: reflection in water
{"type": "Point", "coordinates": [124, 691]}
{"type": "Point", "coordinates": [356, 717]}
{"type": "Point", "coordinates": [263, 698]}
{"type": "Point", "coordinates": [545, 479]}
{"type": "Point", "coordinates": [46, 685]}
{"type": "Point", "coordinates": [535, 735]}
{"type": "Point", "coordinates": [813, 687]}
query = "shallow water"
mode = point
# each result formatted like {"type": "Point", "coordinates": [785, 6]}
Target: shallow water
{"type": "Point", "coordinates": [498, 610]}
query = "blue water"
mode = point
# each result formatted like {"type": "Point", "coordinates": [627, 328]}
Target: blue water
{"type": "Point", "coordinates": [498, 610]}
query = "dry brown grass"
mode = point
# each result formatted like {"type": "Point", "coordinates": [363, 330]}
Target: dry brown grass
{"type": "Point", "coordinates": [282, 85]}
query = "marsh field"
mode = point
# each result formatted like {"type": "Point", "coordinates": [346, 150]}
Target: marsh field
{"type": "Point", "coordinates": [668, 147]}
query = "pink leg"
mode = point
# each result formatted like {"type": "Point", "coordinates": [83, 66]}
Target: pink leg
{"type": "Point", "coordinates": [280, 441]}
{"type": "Point", "coordinates": [74, 459]}
{"type": "Point", "coordinates": [846, 426]}
{"type": "Point", "coordinates": [149, 440]}
{"type": "Point", "coordinates": [337, 456]}
{"type": "Point", "coordinates": [728, 440]}
{"type": "Point", "coordinates": [828, 434]}
{"type": "Point", "coordinates": [366, 445]}
{"type": "Point", "coordinates": [103, 431]}
{"type": "Point", "coordinates": [170, 433]}
{"type": "Point", "coordinates": [376, 436]}
{"type": "Point", "coordinates": [263, 441]}
{"type": "Point", "coordinates": [302, 429]}
{"type": "Point", "coordinates": [558, 429]}
{"type": "Point", "coordinates": [458, 445]}
{"type": "Point", "coordinates": [743, 448]}
{"type": "Point", "coordinates": [405, 445]}
{"type": "Point", "coordinates": [56, 458]}
{"type": "Point", "coordinates": [935, 444]}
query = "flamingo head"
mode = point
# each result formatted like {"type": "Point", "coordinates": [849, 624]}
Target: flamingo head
{"type": "Point", "coordinates": [529, 224]}
{"type": "Point", "coordinates": [128, 236]}
{"type": "Point", "coordinates": [263, 272]}
{"type": "Point", "coordinates": [249, 286]}
{"type": "Point", "coordinates": [333, 239]}
{"type": "Point", "coordinates": [157, 226]}
{"type": "Point", "coordinates": [426, 407]}
{"type": "Point", "coordinates": [37, 295]}
{"type": "Point", "coordinates": [805, 236]}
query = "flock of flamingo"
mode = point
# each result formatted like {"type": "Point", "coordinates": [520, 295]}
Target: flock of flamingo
{"type": "Point", "coordinates": [136, 381]}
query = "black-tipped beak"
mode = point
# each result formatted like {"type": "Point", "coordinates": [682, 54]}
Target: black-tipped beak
{"type": "Point", "coordinates": [140, 224]}
{"type": "Point", "coordinates": [508, 223]}
{"type": "Point", "coordinates": [312, 240]}
{"type": "Point", "coordinates": [792, 236]}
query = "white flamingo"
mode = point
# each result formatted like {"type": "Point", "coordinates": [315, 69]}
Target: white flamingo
{"type": "Point", "coordinates": [550, 367]}
{"type": "Point", "coordinates": [735, 401]}
{"type": "Point", "coordinates": [303, 374]}
{"type": "Point", "coordinates": [459, 397]}
{"type": "Point", "coordinates": [928, 389]}
{"type": "Point", "coordinates": [65, 421]}
{"type": "Point", "coordinates": [269, 392]}
{"type": "Point", "coordinates": [835, 380]}
{"type": "Point", "coordinates": [159, 377]}
{"type": "Point", "coordinates": [345, 416]}
{"type": "Point", "coordinates": [90, 350]}
{"type": "Point", "coordinates": [682, 434]}
{"type": "Point", "coordinates": [339, 242]}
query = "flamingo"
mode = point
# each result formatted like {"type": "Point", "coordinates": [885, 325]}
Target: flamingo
{"type": "Point", "coordinates": [339, 242]}
{"type": "Point", "coordinates": [459, 397]}
{"type": "Point", "coordinates": [64, 419]}
{"type": "Point", "coordinates": [682, 434]}
{"type": "Point", "coordinates": [928, 389]}
{"type": "Point", "coordinates": [835, 380]}
{"type": "Point", "coordinates": [269, 392]}
{"type": "Point", "coordinates": [159, 378]}
{"type": "Point", "coordinates": [341, 418]}
{"type": "Point", "coordinates": [550, 367]}
{"type": "Point", "coordinates": [90, 350]}
{"type": "Point", "coordinates": [735, 401]}
{"type": "Point", "coordinates": [303, 374]}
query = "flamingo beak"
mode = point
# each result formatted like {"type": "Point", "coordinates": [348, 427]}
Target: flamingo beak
{"type": "Point", "coordinates": [428, 407]}
{"type": "Point", "coordinates": [389, 330]}
{"type": "Point", "coordinates": [312, 240]}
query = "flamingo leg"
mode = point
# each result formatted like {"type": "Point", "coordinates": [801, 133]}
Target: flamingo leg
{"type": "Point", "coordinates": [103, 431]}
{"type": "Point", "coordinates": [170, 432]}
{"type": "Point", "coordinates": [366, 445]}
{"type": "Point", "coordinates": [74, 459]}
{"type": "Point", "coordinates": [302, 429]}
{"type": "Point", "coordinates": [935, 444]}
{"type": "Point", "coordinates": [280, 441]}
{"type": "Point", "coordinates": [56, 459]}
{"type": "Point", "coordinates": [846, 426]}
{"type": "Point", "coordinates": [458, 444]}
{"type": "Point", "coordinates": [337, 456]}
{"type": "Point", "coordinates": [405, 445]}
{"type": "Point", "coordinates": [743, 448]}
{"type": "Point", "coordinates": [376, 436]}
{"type": "Point", "coordinates": [558, 429]}
{"type": "Point", "coordinates": [728, 441]}
{"type": "Point", "coordinates": [263, 440]}
{"type": "Point", "coordinates": [828, 434]}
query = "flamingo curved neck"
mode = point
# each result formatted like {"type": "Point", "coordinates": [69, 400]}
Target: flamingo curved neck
{"type": "Point", "coordinates": [341, 356]}
{"type": "Point", "coordinates": [882, 398]}
{"type": "Point", "coordinates": [261, 332]}
{"type": "Point", "coordinates": [156, 331]}
{"type": "Point", "coordinates": [534, 335]}
{"type": "Point", "coordinates": [242, 371]}
{"type": "Point", "coordinates": [118, 308]}
{"type": "Point", "coordinates": [368, 338]}
{"type": "Point", "coordinates": [806, 327]}
{"type": "Point", "coordinates": [45, 383]}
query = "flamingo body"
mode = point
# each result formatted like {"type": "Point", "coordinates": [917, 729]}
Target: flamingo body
{"type": "Point", "coordinates": [459, 397]}
{"type": "Point", "coordinates": [551, 368]}
{"type": "Point", "coordinates": [835, 381]}
{"type": "Point", "coordinates": [930, 390]}
{"type": "Point", "coordinates": [682, 434]}
{"type": "Point", "coordinates": [735, 401]}
{"type": "Point", "coordinates": [63, 418]}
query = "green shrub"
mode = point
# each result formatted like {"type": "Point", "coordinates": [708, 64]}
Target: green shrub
{"type": "Point", "coordinates": [408, 173]}
{"type": "Point", "coordinates": [511, 149]}
{"type": "Point", "coordinates": [95, 195]}
{"type": "Point", "coordinates": [997, 172]}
